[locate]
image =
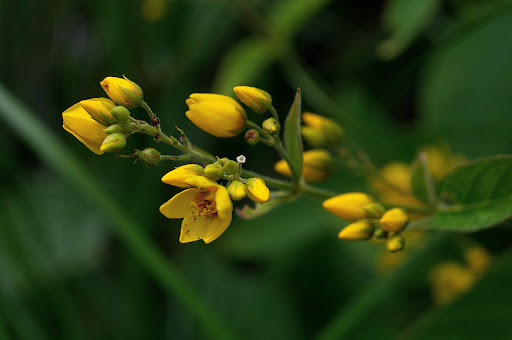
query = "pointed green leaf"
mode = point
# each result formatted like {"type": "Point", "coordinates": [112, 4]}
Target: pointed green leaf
{"type": "Point", "coordinates": [292, 137]}
{"type": "Point", "coordinates": [476, 196]}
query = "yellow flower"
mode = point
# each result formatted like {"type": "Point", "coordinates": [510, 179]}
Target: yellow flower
{"type": "Point", "coordinates": [206, 210]}
{"type": "Point", "coordinates": [320, 131]}
{"type": "Point", "coordinates": [316, 165]}
{"type": "Point", "coordinates": [79, 123]}
{"type": "Point", "coordinates": [349, 206]}
{"type": "Point", "coordinates": [394, 220]}
{"type": "Point", "coordinates": [255, 98]}
{"type": "Point", "coordinates": [179, 176]}
{"type": "Point", "coordinates": [441, 160]}
{"type": "Point", "coordinates": [356, 231]}
{"type": "Point", "coordinates": [395, 243]}
{"type": "Point", "coordinates": [448, 280]}
{"type": "Point", "coordinates": [99, 110]}
{"type": "Point", "coordinates": [219, 115]}
{"type": "Point", "coordinates": [478, 259]}
{"type": "Point", "coordinates": [257, 190]}
{"type": "Point", "coordinates": [123, 91]}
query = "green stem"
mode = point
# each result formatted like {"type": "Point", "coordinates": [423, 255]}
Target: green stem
{"type": "Point", "coordinates": [62, 160]}
{"type": "Point", "coordinates": [146, 107]}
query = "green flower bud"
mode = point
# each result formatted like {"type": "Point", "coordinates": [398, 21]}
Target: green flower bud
{"type": "Point", "coordinates": [237, 190]}
{"type": "Point", "coordinates": [271, 126]}
{"type": "Point", "coordinates": [214, 171]}
{"type": "Point", "coordinates": [116, 128]}
{"type": "Point", "coordinates": [120, 113]}
{"type": "Point", "coordinates": [149, 156]}
{"type": "Point", "coordinates": [374, 210]}
{"type": "Point", "coordinates": [252, 136]}
{"type": "Point", "coordinates": [380, 234]}
{"type": "Point", "coordinates": [230, 167]}
{"type": "Point", "coordinates": [113, 143]}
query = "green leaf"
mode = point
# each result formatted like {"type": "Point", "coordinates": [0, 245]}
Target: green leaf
{"type": "Point", "coordinates": [243, 64]}
{"type": "Point", "coordinates": [405, 20]}
{"type": "Point", "coordinates": [292, 137]}
{"type": "Point", "coordinates": [482, 312]}
{"type": "Point", "coordinates": [467, 85]}
{"type": "Point", "coordinates": [476, 196]}
{"type": "Point", "coordinates": [421, 180]}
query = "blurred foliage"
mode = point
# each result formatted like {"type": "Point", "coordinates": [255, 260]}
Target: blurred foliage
{"type": "Point", "coordinates": [397, 74]}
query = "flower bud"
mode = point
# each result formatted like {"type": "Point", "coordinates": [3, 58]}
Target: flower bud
{"type": "Point", "coordinates": [329, 129]}
{"type": "Point", "coordinates": [180, 175]}
{"type": "Point", "coordinates": [149, 156]}
{"type": "Point", "coordinates": [314, 137]}
{"type": "Point", "coordinates": [100, 110]}
{"type": "Point", "coordinates": [374, 210]}
{"type": "Point", "coordinates": [113, 143]}
{"type": "Point", "coordinates": [380, 234]}
{"type": "Point", "coordinates": [257, 190]}
{"type": "Point", "coordinates": [395, 243]}
{"type": "Point", "coordinates": [114, 128]}
{"type": "Point", "coordinates": [123, 91]}
{"type": "Point", "coordinates": [79, 123]}
{"type": "Point", "coordinates": [252, 136]}
{"type": "Point", "coordinates": [255, 98]}
{"type": "Point", "coordinates": [218, 115]}
{"type": "Point", "coordinates": [394, 220]}
{"type": "Point", "coordinates": [349, 206]}
{"type": "Point", "coordinates": [237, 190]}
{"type": "Point", "coordinates": [120, 113]}
{"type": "Point", "coordinates": [478, 259]}
{"type": "Point", "coordinates": [356, 231]}
{"type": "Point", "coordinates": [230, 167]}
{"type": "Point", "coordinates": [214, 171]}
{"type": "Point", "coordinates": [316, 167]}
{"type": "Point", "coordinates": [271, 125]}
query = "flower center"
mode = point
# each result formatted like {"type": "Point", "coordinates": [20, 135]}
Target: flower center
{"type": "Point", "coordinates": [201, 206]}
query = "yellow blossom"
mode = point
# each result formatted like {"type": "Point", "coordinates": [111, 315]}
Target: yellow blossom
{"type": "Point", "coordinates": [316, 165]}
{"type": "Point", "coordinates": [257, 190]}
{"type": "Point", "coordinates": [395, 243]}
{"type": "Point", "coordinates": [79, 123]}
{"type": "Point", "coordinates": [358, 230]}
{"type": "Point", "coordinates": [219, 115]}
{"type": "Point", "coordinates": [441, 160]}
{"type": "Point", "coordinates": [449, 280]}
{"type": "Point", "coordinates": [478, 259]}
{"type": "Point", "coordinates": [394, 220]}
{"type": "Point", "coordinates": [123, 91]}
{"type": "Point", "coordinates": [349, 206]}
{"type": "Point", "coordinates": [255, 98]}
{"type": "Point", "coordinates": [206, 209]}
{"type": "Point", "coordinates": [320, 131]}
{"type": "Point", "coordinates": [180, 175]}
{"type": "Point", "coordinates": [99, 110]}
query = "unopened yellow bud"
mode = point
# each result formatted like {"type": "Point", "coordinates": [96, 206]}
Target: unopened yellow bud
{"type": "Point", "coordinates": [374, 210]}
{"type": "Point", "coordinates": [478, 259]}
{"type": "Point", "coordinates": [331, 131]}
{"type": "Point", "coordinates": [113, 143]}
{"type": "Point", "coordinates": [356, 231]}
{"type": "Point", "coordinates": [314, 137]}
{"type": "Point", "coordinates": [255, 98]}
{"type": "Point", "coordinates": [252, 136]}
{"type": "Point", "coordinates": [100, 110]}
{"type": "Point", "coordinates": [180, 175]}
{"type": "Point", "coordinates": [316, 165]}
{"type": "Point", "coordinates": [257, 190]}
{"type": "Point", "coordinates": [218, 115]}
{"type": "Point", "coordinates": [271, 126]}
{"type": "Point", "coordinates": [123, 91]}
{"type": "Point", "coordinates": [237, 190]}
{"type": "Point", "coordinates": [149, 156]}
{"type": "Point", "coordinates": [214, 171]}
{"type": "Point", "coordinates": [394, 220]}
{"type": "Point", "coordinates": [395, 243]}
{"type": "Point", "coordinates": [79, 123]}
{"type": "Point", "coordinates": [120, 113]}
{"type": "Point", "coordinates": [349, 206]}
{"type": "Point", "coordinates": [230, 167]}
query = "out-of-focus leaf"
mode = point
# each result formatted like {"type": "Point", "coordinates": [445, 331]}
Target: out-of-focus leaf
{"type": "Point", "coordinates": [259, 209]}
{"type": "Point", "coordinates": [292, 137]}
{"type": "Point", "coordinates": [477, 196]}
{"type": "Point", "coordinates": [287, 17]}
{"type": "Point", "coordinates": [243, 64]}
{"type": "Point", "coordinates": [466, 88]}
{"type": "Point", "coordinates": [421, 180]}
{"type": "Point", "coordinates": [482, 313]}
{"type": "Point", "coordinates": [405, 19]}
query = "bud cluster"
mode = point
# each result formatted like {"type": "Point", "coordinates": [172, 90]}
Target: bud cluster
{"type": "Point", "coordinates": [368, 219]}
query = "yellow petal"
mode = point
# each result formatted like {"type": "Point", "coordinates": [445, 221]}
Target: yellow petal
{"type": "Point", "coordinates": [178, 176]}
{"type": "Point", "coordinates": [213, 233]}
{"type": "Point", "coordinates": [193, 227]}
{"type": "Point", "coordinates": [202, 182]}
{"type": "Point", "coordinates": [79, 123]}
{"type": "Point", "coordinates": [180, 205]}
{"type": "Point", "coordinates": [223, 203]}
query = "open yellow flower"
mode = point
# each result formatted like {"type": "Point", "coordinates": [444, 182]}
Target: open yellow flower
{"type": "Point", "coordinates": [79, 123]}
{"type": "Point", "coordinates": [206, 209]}
{"type": "Point", "coordinates": [219, 115]}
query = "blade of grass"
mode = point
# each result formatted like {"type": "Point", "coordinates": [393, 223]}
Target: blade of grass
{"type": "Point", "coordinates": [58, 157]}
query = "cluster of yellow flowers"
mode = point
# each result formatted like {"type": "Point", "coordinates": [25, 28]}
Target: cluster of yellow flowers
{"type": "Point", "coordinates": [450, 279]}
{"type": "Point", "coordinates": [368, 219]}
